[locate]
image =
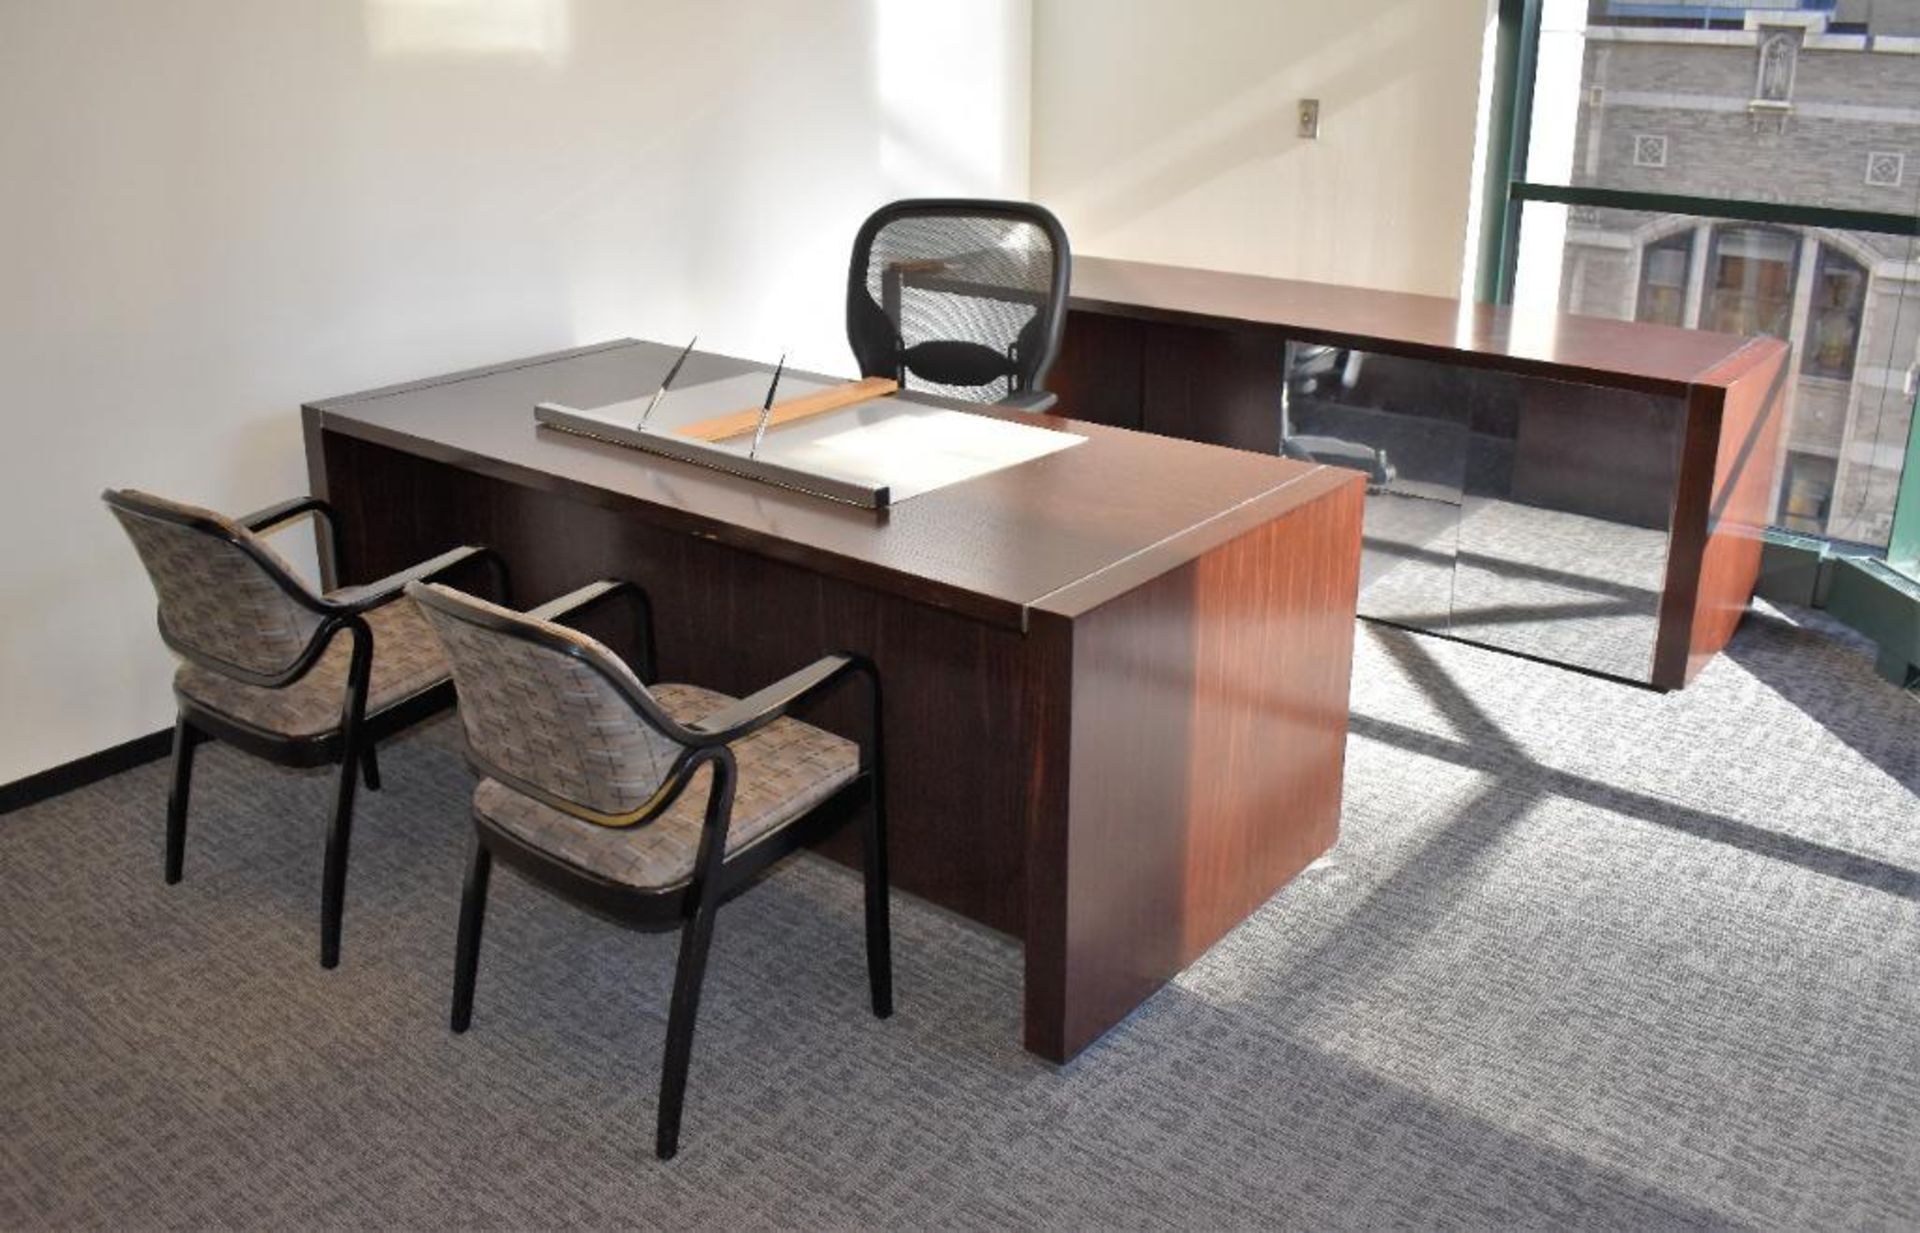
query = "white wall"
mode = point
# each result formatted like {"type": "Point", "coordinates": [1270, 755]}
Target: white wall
{"type": "Point", "coordinates": [1164, 130]}
{"type": "Point", "coordinates": [216, 209]}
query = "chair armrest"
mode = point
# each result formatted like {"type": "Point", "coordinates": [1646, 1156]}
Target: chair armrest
{"type": "Point", "coordinates": [1030, 400]}
{"type": "Point", "coordinates": [275, 516]}
{"type": "Point", "coordinates": [575, 602]}
{"type": "Point", "coordinates": [757, 710]}
{"type": "Point", "coordinates": [373, 594]}
{"type": "Point", "coordinates": [285, 511]}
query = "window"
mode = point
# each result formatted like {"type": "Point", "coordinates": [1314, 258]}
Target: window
{"type": "Point", "coordinates": [1766, 218]}
{"type": "Point", "coordinates": [1750, 281]}
{"type": "Point", "coordinates": [1806, 493]}
{"type": "Point", "coordinates": [1664, 269]}
{"type": "Point", "coordinates": [1833, 320]}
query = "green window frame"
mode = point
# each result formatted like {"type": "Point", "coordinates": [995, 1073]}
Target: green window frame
{"type": "Point", "coordinates": [1903, 550]}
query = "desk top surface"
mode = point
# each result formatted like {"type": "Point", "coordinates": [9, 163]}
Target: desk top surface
{"type": "Point", "coordinates": [1657, 359]}
{"type": "Point", "coordinates": [1059, 534]}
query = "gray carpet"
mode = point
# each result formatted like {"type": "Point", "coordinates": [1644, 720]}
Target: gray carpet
{"type": "Point", "coordinates": [1585, 956]}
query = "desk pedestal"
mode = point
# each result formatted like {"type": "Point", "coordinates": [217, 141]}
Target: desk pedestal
{"type": "Point", "coordinates": [1119, 784]}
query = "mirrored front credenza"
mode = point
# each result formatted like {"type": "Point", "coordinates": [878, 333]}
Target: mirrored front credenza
{"type": "Point", "coordinates": [1581, 491]}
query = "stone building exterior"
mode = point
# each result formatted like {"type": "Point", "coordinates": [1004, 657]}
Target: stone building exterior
{"type": "Point", "coordinates": [1806, 102]}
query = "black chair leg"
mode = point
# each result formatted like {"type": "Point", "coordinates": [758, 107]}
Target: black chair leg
{"type": "Point", "coordinates": [687, 978]}
{"type": "Point", "coordinates": [333, 883]}
{"type": "Point", "coordinates": [473, 914]}
{"type": "Point", "coordinates": [370, 769]}
{"type": "Point", "coordinates": [879, 926]}
{"type": "Point", "coordinates": [185, 739]}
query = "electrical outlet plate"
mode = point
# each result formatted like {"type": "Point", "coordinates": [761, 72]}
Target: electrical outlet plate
{"type": "Point", "coordinates": [1310, 118]}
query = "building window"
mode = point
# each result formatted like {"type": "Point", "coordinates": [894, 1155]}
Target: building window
{"type": "Point", "coordinates": [1663, 279]}
{"type": "Point", "coordinates": [1601, 82]}
{"type": "Point", "coordinates": [1806, 492]}
{"type": "Point", "coordinates": [1833, 321]}
{"type": "Point", "coordinates": [1885, 168]}
{"type": "Point", "coordinates": [1750, 281]}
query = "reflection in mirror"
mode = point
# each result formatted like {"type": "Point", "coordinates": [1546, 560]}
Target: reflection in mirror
{"type": "Point", "coordinates": [1521, 513]}
{"type": "Point", "coordinates": [1563, 533]}
{"type": "Point", "coordinates": [1379, 415]}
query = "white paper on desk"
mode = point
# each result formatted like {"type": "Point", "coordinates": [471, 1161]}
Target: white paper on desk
{"type": "Point", "coordinates": [910, 447]}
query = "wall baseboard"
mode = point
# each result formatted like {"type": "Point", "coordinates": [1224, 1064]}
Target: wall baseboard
{"type": "Point", "coordinates": [82, 771]}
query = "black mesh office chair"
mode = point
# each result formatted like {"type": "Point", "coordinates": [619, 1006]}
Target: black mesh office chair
{"type": "Point", "coordinates": [960, 297]}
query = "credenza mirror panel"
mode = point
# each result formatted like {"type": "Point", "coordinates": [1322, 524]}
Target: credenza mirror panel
{"type": "Point", "coordinates": [1348, 408]}
{"type": "Point", "coordinates": [1660, 445]}
{"type": "Point", "coordinates": [1524, 513]}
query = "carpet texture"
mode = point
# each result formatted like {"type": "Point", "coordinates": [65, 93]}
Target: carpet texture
{"type": "Point", "coordinates": [1585, 956]}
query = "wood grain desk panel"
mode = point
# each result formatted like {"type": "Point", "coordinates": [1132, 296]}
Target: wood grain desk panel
{"type": "Point", "coordinates": [1654, 359]}
{"type": "Point", "coordinates": [1197, 354]}
{"type": "Point", "coordinates": [1746, 401]}
{"type": "Point", "coordinates": [1198, 714]}
{"type": "Point", "coordinates": [1115, 677]}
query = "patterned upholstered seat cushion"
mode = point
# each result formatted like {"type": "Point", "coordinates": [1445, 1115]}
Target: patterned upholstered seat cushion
{"type": "Point", "coordinates": [785, 769]}
{"type": "Point", "coordinates": [406, 659]}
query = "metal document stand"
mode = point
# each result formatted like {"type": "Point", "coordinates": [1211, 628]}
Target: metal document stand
{"type": "Point", "coordinates": [872, 454]}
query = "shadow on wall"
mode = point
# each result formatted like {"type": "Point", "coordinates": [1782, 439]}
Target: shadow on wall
{"type": "Point", "coordinates": [537, 28]}
{"type": "Point", "coordinates": [955, 120]}
{"type": "Point", "coordinates": [727, 207]}
{"type": "Point", "coordinates": [1183, 148]}
{"type": "Point", "coordinates": [1254, 126]}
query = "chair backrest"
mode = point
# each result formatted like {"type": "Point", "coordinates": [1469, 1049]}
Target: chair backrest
{"type": "Point", "coordinates": [228, 602]}
{"type": "Point", "coordinates": [959, 297]}
{"type": "Point", "coordinates": [551, 712]}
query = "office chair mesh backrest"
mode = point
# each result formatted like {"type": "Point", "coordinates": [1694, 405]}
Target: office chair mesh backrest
{"type": "Point", "coordinates": [961, 298]}
{"type": "Point", "coordinates": [219, 602]}
{"type": "Point", "coordinates": [541, 711]}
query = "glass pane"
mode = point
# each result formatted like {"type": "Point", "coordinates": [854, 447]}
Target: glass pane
{"type": "Point", "coordinates": [1404, 424]}
{"type": "Point", "coordinates": [1564, 527]}
{"type": "Point", "coordinates": [1833, 324]}
{"type": "Point", "coordinates": [1805, 102]}
{"type": "Point", "coordinates": [1522, 513]}
{"type": "Point", "coordinates": [1663, 279]}
{"type": "Point", "coordinates": [1750, 281]}
{"type": "Point", "coordinates": [1844, 299]}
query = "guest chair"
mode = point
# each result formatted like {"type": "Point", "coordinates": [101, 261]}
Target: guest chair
{"type": "Point", "coordinates": [272, 667]}
{"type": "Point", "coordinates": [962, 298]}
{"type": "Point", "coordinates": [591, 787]}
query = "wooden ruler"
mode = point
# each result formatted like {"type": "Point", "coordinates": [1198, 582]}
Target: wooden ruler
{"type": "Point", "coordinates": [806, 406]}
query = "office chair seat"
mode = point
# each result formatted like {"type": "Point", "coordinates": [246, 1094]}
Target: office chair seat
{"type": "Point", "coordinates": [407, 660]}
{"type": "Point", "coordinates": [786, 768]}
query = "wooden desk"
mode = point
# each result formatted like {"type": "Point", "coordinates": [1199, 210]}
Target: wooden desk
{"type": "Point", "coordinates": [1116, 677]}
{"type": "Point", "coordinates": [1609, 422]}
